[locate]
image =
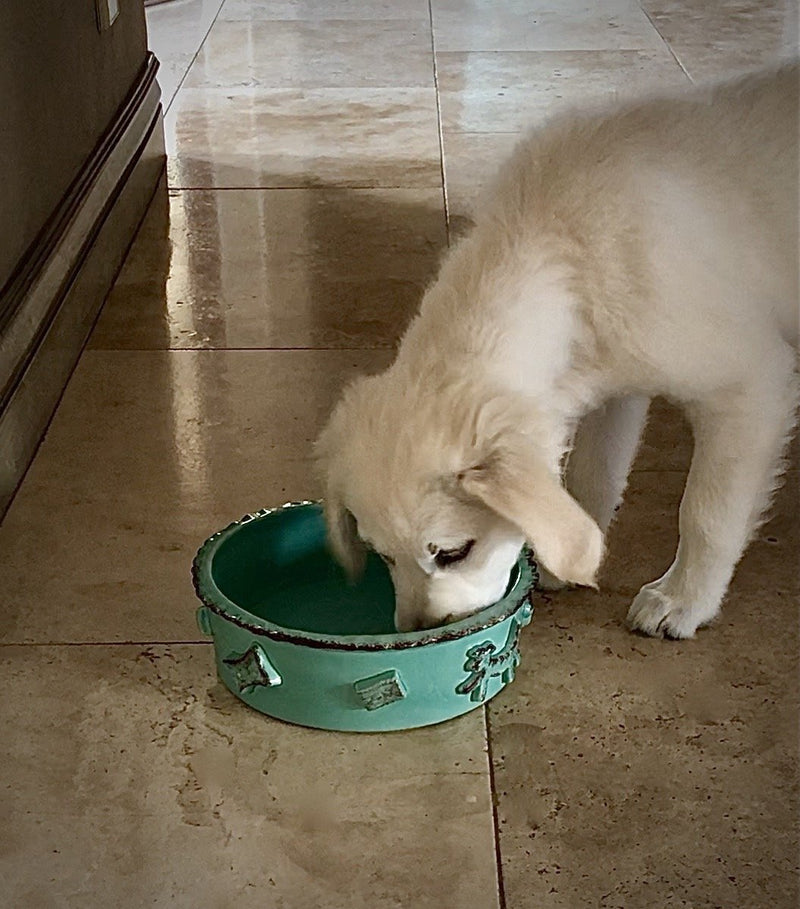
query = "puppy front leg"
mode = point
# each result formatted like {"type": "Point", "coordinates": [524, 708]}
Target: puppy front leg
{"type": "Point", "coordinates": [602, 453]}
{"type": "Point", "coordinates": [739, 438]}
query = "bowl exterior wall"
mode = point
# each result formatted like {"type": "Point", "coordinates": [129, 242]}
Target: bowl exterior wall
{"type": "Point", "coordinates": [367, 691]}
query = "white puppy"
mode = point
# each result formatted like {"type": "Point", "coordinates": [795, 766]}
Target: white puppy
{"type": "Point", "coordinates": [649, 250]}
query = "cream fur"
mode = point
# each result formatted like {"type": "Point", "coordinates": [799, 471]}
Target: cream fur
{"type": "Point", "coordinates": [648, 250]}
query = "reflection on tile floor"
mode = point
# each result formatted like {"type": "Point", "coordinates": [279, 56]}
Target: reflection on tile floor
{"type": "Point", "coordinates": [176, 32]}
{"type": "Point", "coordinates": [321, 156]}
{"type": "Point", "coordinates": [509, 92]}
{"type": "Point", "coordinates": [288, 269]}
{"type": "Point", "coordinates": [252, 136]}
{"type": "Point", "coordinates": [313, 10]}
{"type": "Point", "coordinates": [173, 445]}
{"type": "Point", "coordinates": [326, 53]}
{"type": "Point", "coordinates": [510, 25]}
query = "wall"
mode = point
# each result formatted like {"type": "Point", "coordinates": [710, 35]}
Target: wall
{"type": "Point", "coordinates": [61, 80]}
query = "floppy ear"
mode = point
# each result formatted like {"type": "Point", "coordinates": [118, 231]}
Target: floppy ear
{"type": "Point", "coordinates": [517, 484]}
{"type": "Point", "coordinates": [343, 539]}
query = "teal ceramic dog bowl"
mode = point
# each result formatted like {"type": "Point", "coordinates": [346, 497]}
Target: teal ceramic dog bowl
{"type": "Point", "coordinates": [296, 641]}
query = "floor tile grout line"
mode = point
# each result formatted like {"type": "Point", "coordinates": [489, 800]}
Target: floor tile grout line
{"type": "Point", "coordinates": [239, 349]}
{"type": "Point", "coordinates": [666, 43]}
{"type": "Point", "coordinates": [194, 57]}
{"type": "Point", "coordinates": [498, 857]}
{"type": "Point", "coordinates": [189, 643]}
{"type": "Point", "coordinates": [315, 187]}
{"type": "Point", "coordinates": [439, 126]}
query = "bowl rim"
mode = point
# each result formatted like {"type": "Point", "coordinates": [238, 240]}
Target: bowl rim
{"type": "Point", "coordinates": [517, 598]}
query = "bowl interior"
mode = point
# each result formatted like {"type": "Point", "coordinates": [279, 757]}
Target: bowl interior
{"type": "Point", "coordinates": [278, 568]}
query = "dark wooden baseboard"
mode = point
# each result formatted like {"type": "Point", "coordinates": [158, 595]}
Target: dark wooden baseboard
{"type": "Point", "coordinates": [50, 303]}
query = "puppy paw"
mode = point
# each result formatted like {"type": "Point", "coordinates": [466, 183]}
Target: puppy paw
{"type": "Point", "coordinates": [660, 615]}
{"type": "Point", "coordinates": [549, 581]}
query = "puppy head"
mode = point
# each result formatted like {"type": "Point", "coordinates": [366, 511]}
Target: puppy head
{"type": "Point", "coordinates": [446, 487]}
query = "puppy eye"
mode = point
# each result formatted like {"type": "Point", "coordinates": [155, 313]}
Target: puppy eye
{"type": "Point", "coordinates": [445, 557]}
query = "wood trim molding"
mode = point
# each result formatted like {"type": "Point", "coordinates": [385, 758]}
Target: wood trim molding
{"type": "Point", "coordinates": [31, 296]}
{"type": "Point", "coordinates": [50, 303]}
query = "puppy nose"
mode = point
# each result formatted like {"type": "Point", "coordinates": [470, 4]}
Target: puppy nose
{"type": "Point", "coordinates": [431, 622]}
{"type": "Point", "coordinates": [423, 623]}
{"type": "Point", "coordinates": [416, 625]}
{"type": "Point", "coordinates": [406, 623]}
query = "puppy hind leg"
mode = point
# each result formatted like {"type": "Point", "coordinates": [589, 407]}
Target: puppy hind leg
{"type": "Point", "coordinates": [605, 445]}
{"type": "Point", "coordinates": [598, 465]}
{"type": "Point", "coordinates": [739, 441]}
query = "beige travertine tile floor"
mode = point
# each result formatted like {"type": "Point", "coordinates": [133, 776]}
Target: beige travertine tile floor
{"type": "Point", "coordinates": [321, 154]}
